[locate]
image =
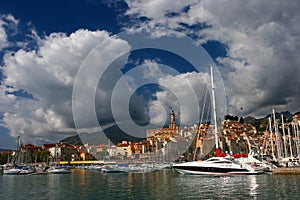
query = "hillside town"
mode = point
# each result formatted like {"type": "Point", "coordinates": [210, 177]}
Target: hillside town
{"type": "Point", "coordinates": [237, 136]}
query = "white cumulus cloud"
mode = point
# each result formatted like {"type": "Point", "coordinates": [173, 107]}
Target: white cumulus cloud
{"type": "Point", "coordinates": [7, 22]}
{"type": "Point", "coordinates": [47, 74]}
{"type": "Point", "coordinates": [261, 66]}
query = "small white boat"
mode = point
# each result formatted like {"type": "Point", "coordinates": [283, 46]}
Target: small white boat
{"type": "Point", "coordinates": [26, 171]}
{"type": "Point", "coordinates": [58, 170]}
{"type": "Point", "coordinates": [18, 170]}
{"type": "Point", "coordinates": [12, 171]}
{"type": "Point", "coordinates": [110, 169]}
{"type": "Point", "coordinates": [135, 168]}
{"type": "Point", "coordinates": [94, 167]}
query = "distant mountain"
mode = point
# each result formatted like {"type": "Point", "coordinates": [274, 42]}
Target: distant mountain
{"type": "Point", "coordinates": [5, 150]}
{"type": "Point", "coordinates": [75, 140]}
{"type": "Point", "coordinates": [286, 114]}
{"type": "Point", "coordinates": [297, 113]}
{"type": "Point", "coordinates": [250, 120]}
{"type": "Point", "coordinates": [261, 123]}
{"type": "Point", "coordinates": [114, 133]}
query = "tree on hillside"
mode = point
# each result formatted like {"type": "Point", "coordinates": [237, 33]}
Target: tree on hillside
{"type": "Point", "coordinates": [241, 120]}
{"type": "Point", "coordinates": [3, 158]}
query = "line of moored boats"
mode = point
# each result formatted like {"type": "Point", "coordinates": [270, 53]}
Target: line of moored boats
{"type": "Point", "coordinates": [109, 167]}
{"type": "Point", "coordinates": [32, 169]}
{"type": "Point", "coordinates": [213, 166]}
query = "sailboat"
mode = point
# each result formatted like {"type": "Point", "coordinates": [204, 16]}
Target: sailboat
{"type": "Point", "coordinates": [216, 165]}
{"type": "Point", "coordinates": [288, 159]}
{"type": "Point", "coordinates": [16, 167]}
{"type": "Point", "coordinates": [57, 169]}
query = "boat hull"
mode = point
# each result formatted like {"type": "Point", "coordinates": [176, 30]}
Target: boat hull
{"type": "Point", "coordinates": [216, 166]}
{"type": "Point", "coordinates": [215, 171]}
{"type": "Point", "coordinates": [59, 170]}
{"type": "Point", "coordinates": [16, 171]}
{"type": "Point", "coordinates": [11, 171]}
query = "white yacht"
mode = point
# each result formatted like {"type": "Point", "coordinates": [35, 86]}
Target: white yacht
{"type": "Point", "coordinates": [215, 166]}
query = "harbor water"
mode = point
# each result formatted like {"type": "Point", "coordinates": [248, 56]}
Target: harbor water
{"type": "Point", "coordinates": [163, 184]}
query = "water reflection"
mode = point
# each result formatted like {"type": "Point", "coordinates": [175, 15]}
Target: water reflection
{"type": "Point", "coordinates": [287, 186]}
{"type": "Point", "coordinates": [253, 186]}
{"type": "Point", "coordinates": [211, 187]}
{"type": "Point", "coordinates": [164, 184]}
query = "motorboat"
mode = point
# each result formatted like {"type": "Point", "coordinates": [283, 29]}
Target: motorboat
{"type": "Point", "coordinates": [135, 168]}
{"type": "Point", "coordinates": [216, 166]}
{"type": "Point", "coordinates": [18, 170]}
{"type": "Point", "coordinates": [11, 171]}
{"type": "Point", "coordinates": [256, 162]}
{"type": "Point", "coordinates": [58, 170]}
{"type": "Point", "coordinates": [94, 167]}
{"type": "Point", "coordinates": [110, 168]}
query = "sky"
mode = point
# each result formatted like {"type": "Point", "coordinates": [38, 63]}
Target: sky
{"type": "Point", "coordinates": [119, 67]}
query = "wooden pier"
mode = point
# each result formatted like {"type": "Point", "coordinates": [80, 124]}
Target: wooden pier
{"type": "Point", "coordinates": [286, 170]}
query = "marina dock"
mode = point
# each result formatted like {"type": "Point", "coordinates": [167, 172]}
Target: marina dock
{"type": "Point", "coordinates": [286, 170]}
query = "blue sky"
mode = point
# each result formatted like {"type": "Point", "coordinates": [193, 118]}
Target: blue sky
{"type": "Point", "coordinates": [64, 16]}
{"type": "Point", "coordinates": [43, 46]}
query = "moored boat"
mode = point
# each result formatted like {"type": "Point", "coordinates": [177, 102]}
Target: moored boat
{"type": "Point", "coordinates": [216, 166]}
{"type": "Point", "coordinates": [18, 170]}
{"type": "Point", "coordinates": [136, 168]}
{"type": "Point", "coordinates": [17, 165]}
{"type": "Point", "coordinates": [110, 168]}
{"type": "Point", "coordinates": [11, 171]}
{"type": "Point", "coordinates": [58, 170]}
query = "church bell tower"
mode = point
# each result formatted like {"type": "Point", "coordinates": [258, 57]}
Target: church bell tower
{"type": "Point", "coordinates": [173, 121]}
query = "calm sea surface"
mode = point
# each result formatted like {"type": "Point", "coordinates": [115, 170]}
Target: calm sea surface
{"type": "Point", "coordinates": [165, 184]}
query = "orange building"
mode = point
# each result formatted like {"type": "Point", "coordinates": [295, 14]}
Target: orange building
{"type": "Point", "coordinates": [156, 138]}
{"type": "Point", "coordinates": [167, 132]}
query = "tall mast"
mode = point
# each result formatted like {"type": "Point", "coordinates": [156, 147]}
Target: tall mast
{"type": "Point", "coordinates": [284, 138]}
{"type": "Point", "coordinates": [214, 105]}
{"type": "Point", "coordinates": [199, 124]}
{"type": "Point", "coordinates": [297, 138]}
{"type": "Point", "coordinates": [290, 143]}
{"type": "Point", "coordinates": [277, 136]}
{"type": "Point", "coordinates": [271, 137]}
